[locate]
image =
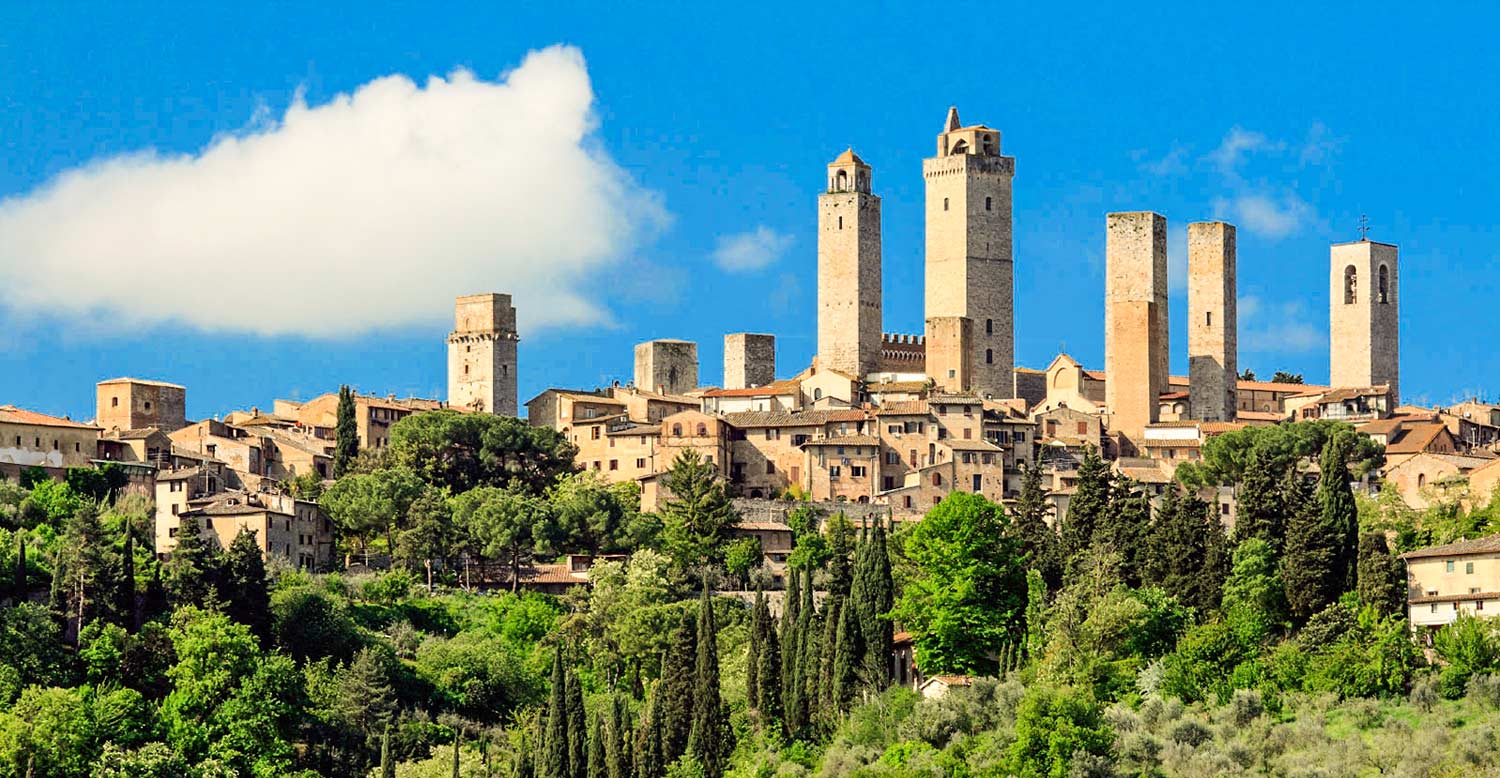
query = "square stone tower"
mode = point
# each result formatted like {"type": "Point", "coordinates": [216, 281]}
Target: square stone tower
{"type": "Point", "coordinates": [749, 360]}
{"type": "Point", "coordinates": [133, 403]}
{"type": "Point", "coordinates": [1135, 319]}
{"type": "Point", "coordinates": [969, 267]}
{"type": "Point", "coordinates": [666, 366]}
{"type": "Point", "coordinates": [849, 313]}
{"type": "Point", "coordinates": [1364, 324]}
{"type": "Point", "coordinates": [950, 352]}
{"type": "Point", "coordinates": [482, 354]}
{"type": "Point", "coordinates": [1212, 321]}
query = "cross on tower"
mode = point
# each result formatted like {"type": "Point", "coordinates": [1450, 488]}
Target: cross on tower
{"type": "Point", "coordinates": [1364, 227]}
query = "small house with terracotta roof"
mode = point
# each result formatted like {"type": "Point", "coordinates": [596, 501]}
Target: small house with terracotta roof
{"type": "Point", "coordinates": [29, 438]}
{"type": "Point", "coordinates": [1444, 582]}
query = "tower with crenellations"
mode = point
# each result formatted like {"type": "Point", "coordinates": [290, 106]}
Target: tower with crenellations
{"type": "Point", "coordinates": [969, 268]}
{"type": "Point", "coordinates": [849, 303]}
{"type": "Point", "coordinates": [482, 354]}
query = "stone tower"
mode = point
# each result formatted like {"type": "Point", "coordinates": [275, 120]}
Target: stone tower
{"type": "Point", "coordinates": [969, 268]}
{"type": "Point", "coordinates": [666, 366]}
{"type": "Point", "coordinates": [950, 353]}
{"type": "Point", "coordinates": [482, 354]}
{"type": "Point", "coordinates": [1135, 319]}
{"type": "Point", "coordinates": [749, 360]}
{"type": "Point", "coordinates": [849, 314]}
{"type": "Point", "coordinates": [1212, 321]}
{"type": "Point", "coordinates": [1363, 316]}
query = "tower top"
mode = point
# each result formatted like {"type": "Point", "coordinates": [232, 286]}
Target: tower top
{"type": "Point", "coordinates": [848, 173]}
{"type": "Point", "coordinates": [975, 140]}
{"type": "Point", "coordinates": [848, 158]}
{"type": "Point", "coordinates": [951, 123]}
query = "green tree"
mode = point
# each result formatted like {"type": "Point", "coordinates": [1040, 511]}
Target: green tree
{"type": "Point", "coordinates": [697, 514]}
{"type": "Point", "coordinates": [1309, 562]}
{"type": "Point", "coordinates": [674, 702]}
{"type": "Point", "coordinates": [969, 591]}
{"type": "Point", "coordinates": [1054, 726]}
{"type": "Point", "coordinates": [429, 535]}
{"type": "Point", "coordinates": [791, 603]}
{"type": "Point", "coordinates": [1037, 539]}
{"type": "Point", "coordinates": [752, 651]}
{"type": "Point", "coordinates": [598, 764]}
{"type": "Point", "coordinates": [707, 739]}
{"type": "Point", "coordinates": [617, 745]}
{"type": "Point", "coordinates": [508, 524]}
{"type": "Point", "coordinates": [555, 743]}
{"type": "Point", "coordinates": [577, 728]}
{"type": "Point", "coordinates": [1260, 509]}
{"type": "Point", "coordinates": [1124, 525]}
{"type": "Point", "coordinates": [872, 597]}
{"type": "Point", "coordinates": [768, 669]}
{"type": "Point", "coordinates": [460, 451]}
{"type": "Point", "coordinates": [364, 505]}
{"type": "Point", "coordinates": [1382, 577]}
{"type": "Point", "coordinates": [595, 515]}
{"type": "Point", "coordinates": [366, 701]}
{"type": "Point", "coordinates": [742, 556]}
{"type": "Point", "coordinates": [1176, 554]}
{"type": "Point", "coordinates": [1284, 377]}
{"type": "Point", "coordinates": [840, 537]}
{"type": "Point", "coordinates": [848, 657]}
{"type": "Point", "coordinates": [84, 570]}
{"type": "Point", "coordinates": [48, 732]}
{"type": "Point", "coordinates": [1340, 513]}
{"type": "Point", "coordinates": [1254, 598]}
{"type": "Point", "coordinates": [1088, 506]}
{"type": "Point", "coordinates": [346, 434]}
{"type": "Point", "coordinates": [247, 597]}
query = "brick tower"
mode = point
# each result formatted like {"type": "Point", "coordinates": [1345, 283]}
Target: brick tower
{"type": "Point", "coordinates": [1135, 319]}
{"type": "Point", "coordinates": [1212, 321]}
{"type": "Point", "coordinates": [1364, 323]}
{"type": "Point", "coordinates": [849, 313]}
{"type": "Point", "coordinates": [482, 354]}
{"type": "Point", "coordinates": [969, 264]}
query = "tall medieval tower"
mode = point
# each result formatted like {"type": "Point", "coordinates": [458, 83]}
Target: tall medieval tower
{"type": "Point", "coordinates": [1213, 337]}
{"type": "Point", "coordinates": [849, 313]}
{"type": "Point", "coordinates": [482, 354]}
{"type": "Point", "coordinates": [1135, 320]}
{"type": "Point", "coordinates": [1363, 316]}
{"type": "Point", "coordinates": [969, 264]}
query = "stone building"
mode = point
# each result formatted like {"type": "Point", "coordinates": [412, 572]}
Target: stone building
{"type": "Point", "coordinates": [482, 354]}
{"type": "Point", "coordinates": [132, 403]}
{"type": "Point", "coordinates": [373, 416]}
{"type": "Point", "coordinates": [969, 267]}
{"type": "Point", "coordinates": [1364, 316]}
{"type": "Point", "coordinates": [950, 353]}
{"type": "Point", "coordinates": [749, 360]}
{"type": "Point", "coordinates": [1135, 319]}
{"type": "Point", "coordinates": [1212, 321]}
{"type": "Point", "coordinates": [28, 438]}
{"type": "Point", "coordinates": [666, 366]}
{"type": "Point", "coordinates": [849, 296]}
{"type": "Point", "coordinates": [1444, 582]}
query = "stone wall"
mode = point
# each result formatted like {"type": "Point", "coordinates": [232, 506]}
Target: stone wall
{"type": "Point", "coordinates": [128, 403]}
{"type": "Point", "coordinates": [950, 353]}
{"type": "Point", "coordinates": [1135, 319]}
{"type": "Point", "coordinates": [482, 354]}
{"type": "Point", "coordinates": [749, 360]}
{"type": "Point", "coordinates": [1212, 321]}
{"type": "Point", "coordinates": [666, 366]}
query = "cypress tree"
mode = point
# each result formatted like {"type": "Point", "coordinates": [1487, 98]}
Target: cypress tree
{"type": "Point", "coordinates": [876, 631]}
{"type": "Point", "coordinates": [1217, 559]}
{"type": "Point", "coordinates": [769, 701]}
{"type": "Point", "coordinates": [387, 764]}
{"type": "Point", "coordinates": [618, 745]}
{"type": "Point", "coordinates": [346, 444]}
{"type": "Point", "coordinates": [126, 608]}
{"type": "Point", "coordinates": [706, 741]}
{"type": "Point", "coordinates": [752, 658]}
{"type": "Point", "coordinates": [1089, 504]}
{"type": "Point", "coordinates": [246, 592]}
{"type": "Point", "coordinates": [458, 738]}
{"type": "Point", "coordinates": [578, 764]}
{"type": "Point", "coordinates": [1382, 579]}
{"type": "Point", "coordinates": [791, 603]}
{"type": "Point", "coordinates": [598, 766]}
{"type": "Point", "coordinates": [1175, 551]}
{"type": "Point", "coordinates": [1340, 512]}
{"type": "Point", "coordinates": [827, 647]}
{"type": "Point", "coordinates": [1309, 563]}
{"type": "Point", "coordinates": [1123, 526]}
{"type": "Point", "coordinates": [20, 583]}
{"type": "Point", "coordinates": [647, 761]}
{"type": "Point", "coordinates": [674, 705]}
{"type": "Point", "coordinates": [840, 537]}
{"type": "Point", "coordinates": [154, 601]}
{"type": "Point", "coordinates": [555, 747]}
{"type": "Point", "coordinates": [1260, 511]}
{"type": "Point", "coordinates": [1028, 521]}
{"type": "Point", "coordinates": [846, 661]}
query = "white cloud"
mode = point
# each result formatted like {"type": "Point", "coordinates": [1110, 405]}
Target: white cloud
{"type": "Point", "coordinates": [753, 250]}
{"type": "Point", "coordinates": [373, 209]}
{"type": "Point", "coordinates": [1171, 164]}
{"type": "Point", "coordinates": [1320, 145]}
{"type": "Point", "coordinates": [1237, 144]}
{"type": "Point", "coordinates": [1265, 215]}
{"type": "Point", "coordinates": [1277, 328]}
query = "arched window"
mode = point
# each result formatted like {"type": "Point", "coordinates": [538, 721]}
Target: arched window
{"type": "Point", "coordinates": [817, 394]}
{"type": "Point", "coordinates": [989, 356]}
{"type": "Point", "coordinates": [961, 147]}
{"type": "Point", "coordinates": [988, 203]}
{"type": "Point", "coordinates": [702, 430]}
{"type": "Point", "coordinates": [989, 326]}
{"type": "Point", "coordinates": [1351, 281]}
{"type": "Point", "coordinates": [841, 181]}
{"type": "Point", "coordinates": [945, 203]}
{"type": "Point", "coordinates": [1383, 290]}
{"type": "Point", "coordinates": [676, 430]}
{"type": "Point", "coordinates": [937, 479]}
{"type": "Point", "coordinates": [1421, 480]}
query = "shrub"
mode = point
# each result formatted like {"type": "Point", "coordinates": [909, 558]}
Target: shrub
{"type": "Point", "coordinates": [1484, 690]}
{"type": "Point", "coordinates": [1424, 692]}
{"type": "Point", "coordinates": [1245, 706]}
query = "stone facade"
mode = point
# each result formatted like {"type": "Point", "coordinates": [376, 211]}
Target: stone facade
{"type": "Point", "coordinates": [28, 438]}
{"type": "Point", "coordinates": [969, 268]}
{"type": "Point", "coordinates": [132, 404]}
{"type": "Point", "coordinates": [1212, 321]}
{"type": "Point", "coordinates": [950, 352]}
{"type": "Point", "coordinates": [1363, 316]}
{"type": "Point", "coordinates": [482, 354]}
{"type": "Point", "coordinates": [849, 292]}
{"type": "Point", "coordinates": [749, 360]}
{"type": "Point", "coordinates": [1135, 319]}
{"type": "Point", "coordinates": [666, 366]}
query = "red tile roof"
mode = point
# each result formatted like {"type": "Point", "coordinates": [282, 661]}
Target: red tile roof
{"type": "Point", "coordinates": [13, 415]}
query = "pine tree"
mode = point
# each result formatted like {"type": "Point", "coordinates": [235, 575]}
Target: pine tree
{"type": "Point", "coordinates": [246, 592]}
{"type": "Point", "coordinates": [1029, 523]}
{"type": "Point", "coordinates": [1175, 551]}
{"type": "Point", "coordinates": [555, 748]}
{"type": "Point", "coordinates": [1088, 506]}
{"type": "Point", "coordinates": [365, 699]}
{"type": "Point", "coordinates": [1309, 560]}
{"type": "Point", "coordinates": [848, 652]}
{"type": "Point", "coordinates": [1382, 579]}
{"type": "Point", "coordinates": [578, 765]}
{"type": "Point", "coordinates": [1340, 512]}
{"type": "Point", "coordinates": [1260, 511]}
{"type": "Point", "coordinates": [706, 742]}
{"type": "Point", "coordinates": [598, 765]}
{"type": "Point", "coordinates": [83, 585]}
{"type": "Point", "coordinates": [193, 568]}
{"type": "Point", "coordinates": [346, 445]}
{"type": "Point", "coordinates": [675, 690]}
{"type": "Point", "coordinates": [1124, 525]}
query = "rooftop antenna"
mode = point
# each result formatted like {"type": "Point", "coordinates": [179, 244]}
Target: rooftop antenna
{"type": "Point", "coordinates": [1364, 227]}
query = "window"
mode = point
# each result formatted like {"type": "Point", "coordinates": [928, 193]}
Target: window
{"type": "Point", "coordinates": [640, 464]}
{"type": "Point", "coordinates": [833, 471]}
{"type": "Point", "coordinates": [175, 509]}
{"type": "Point", "coordinates": [942, 410]}
{"type": "Point", "coordinates": [1208, 318]}
{"type": "Point", "coordinates": [54, 444]}
{"type": "Point", "coordinates": [1434, 607]}
{"type": "Point", "coordinates": [1448, 566]}
{"type": "Point", "coordinates": [1479, 605]}
{"type": "Point", "coordinates": [1421, 480]}
{"type": "Point", "coordinates": [987, 459]}
{"type": "Point", "coordinates": [772, 433]}
{"type": "Point", "coordinates": [856, 471]}
{"type": "Point", "coordinates": [841, 222]}
{"type": "Point", "coordinates": [817, 394]}
{"type": "Point", "coordinates": [892, 458]}
{"type": "Point", "coordinates": [614, 464]}
{"type": "Point", "coordinates": [594, 433]}
{"type": "Point", "coordinates": [887, 483]}
{"type": "Point", "coordinates": [945, 203]}
{"type": "Point", "coordinates": [968, 433]}
{"type": "Point", "coordinates": [114, 402]}
{"type": "Point", "coordinates": [989, 326]}
{"type": "Point", "coordinates": [937, 479]}
{"type": "Point", "coordinates": [988, 203]}
{"type": "Point", "coordinates": [1468, 568]}
{"type": "Point", "coordinates": [989, 356]}
{"type": "Point", "coordinates": [1381, 291]}
{"type": "Point", "coordinates": [1351, 282]}
{"type": "Point", "coordinates": [906, 501]}
{"type": "Point", "coordinates": [770, 467]}
{"type": "Point", "coordinates": [676, 430]}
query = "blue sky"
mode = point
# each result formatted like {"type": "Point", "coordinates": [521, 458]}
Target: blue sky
{"type": "Point", "coordinates": [179, 200]}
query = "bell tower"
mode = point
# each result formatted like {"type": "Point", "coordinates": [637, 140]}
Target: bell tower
{"type": "Point", "coordinates": [1364, 323]}
{"type": "Point", "coordinates": [970, 272]}
{"type": "Point", "coordinates": [849, 308]}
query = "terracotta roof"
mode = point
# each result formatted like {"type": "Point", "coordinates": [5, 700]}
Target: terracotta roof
{"type": "Point", "coordinates": [777, 388]}
{"type": "Point", "coordinates": [1171, 443]}
{"type": "Point", "coordinates": [950, 680]}
{"type": "Point", "coordinates": [958, 444]}
{"type": "Point", "coordinates": [1259, 416]}
{"type": "Point", "coordinates": [637, 429]}
{"type": "Point", "coordinates": [142, 381]}
{"type": "Point", "coordinates": [1464, 462]}
{"type": "Point", "coordinates": [179, 475]}
{"type": "Point", "coordinates": [762, 526]}
{"type": "Point", "coordinates": [791, 418]}
{"type": "Point", "coordinates": [590, 398]}
{"type": "Point", "coordinates": [1097, 375]}
{"type": "Point", "coordinates": [135, 434]}
{"type": "Point", "coordinates": [846, 158]}
{"type": "Point", "coordinates": [1485, 545]}
{"type": "Point", "coordinates": [1278, 386]}
{"type": "Point", "coordinates": [1221, 427]}
{"type": "Point", "coordinates": [904, 408]}
{"type": "Point", "coordinates": [1416, 438]}
{"type": "Point", "coordinates": [845, 440]}
{"type": "Point", "coordinates": [548, 574]}
{"type": "Point", "coordinates": [1172, 396]}
{"type": "Point", "coordinates": [897, 386]}
{"type": "Point", "coordinates": [955, 399]}
{"type": "Point", "coordinates": [1354, 392]}
{"type": "Point", "coordinates": [901, 637]}
{"type": "Point", "coordinates": [1423, 600]}
{"type": "Point", "coordinates": [13, 415]}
